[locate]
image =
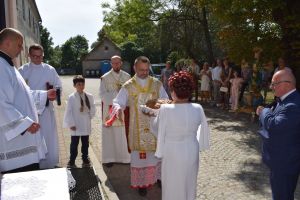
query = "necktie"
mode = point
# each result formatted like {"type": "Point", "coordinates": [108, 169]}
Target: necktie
{"type": "Point", "coordinates": [274, 103]}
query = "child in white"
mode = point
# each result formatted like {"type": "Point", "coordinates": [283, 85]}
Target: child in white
{"type": "Point", "coordinates": [236, 83]}
{"type": "Point", "coordinates": [80, 110]}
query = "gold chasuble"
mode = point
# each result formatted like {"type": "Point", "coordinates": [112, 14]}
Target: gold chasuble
{"type": "Point", "coordinates": [140, 137]}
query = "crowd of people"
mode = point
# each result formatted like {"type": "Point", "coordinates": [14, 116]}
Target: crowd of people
{"type": "Point", "coordinates": [223, 84]}
{"type": "Point", "coordinates": [161, 142]}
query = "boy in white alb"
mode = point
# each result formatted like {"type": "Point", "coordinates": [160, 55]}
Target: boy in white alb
{"type": "Point", "coordinates": [80, 110]}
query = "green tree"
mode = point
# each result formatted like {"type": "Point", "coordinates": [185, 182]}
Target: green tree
{"type": "Point", "coordinates": [272, 25]}
{"type": "Point", "coordinates": [160, 27]}
{"type": "Point", "coordinates": [72, 51]}
{"type": "Point", "coordinates": [174, 56]}
{"type": "Point", "coordinates": [129, 52]}
{"type": "Point", "coordinates": [246, 25]}
{"type": "Point", "coordinates": [130, 21]}
{"type": "Point", "coordinates": [56, 57]}
{"type": "Point", "coordinates": [188, 22]}
{"type": "Point", "coordinates": [101, 35]}
{"type": "Point", "coordinates": [46, 42]}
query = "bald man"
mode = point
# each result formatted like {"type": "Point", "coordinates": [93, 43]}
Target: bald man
{"type": "Point", "coordinates": [21, 145]}
{"type": "Point", "coordinates": [114, 143]}
{"type": "Point", "coordinates": [281, 136]}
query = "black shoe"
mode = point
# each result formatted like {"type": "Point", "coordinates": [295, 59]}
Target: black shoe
{"type": "Point", "coordinates": [71, 164]}
{"type": "Point", "coordinates": [142, 192]}
{"type": "Point", "coordinates": [108, 165]}
{"type": "Point", "coordinates": [159, 183]}
{"type": "Point", "coordinates": [86, 162]}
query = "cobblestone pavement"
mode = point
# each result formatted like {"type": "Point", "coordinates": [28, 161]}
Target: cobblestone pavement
{"type": "Point", "coordinates": [230, 170]}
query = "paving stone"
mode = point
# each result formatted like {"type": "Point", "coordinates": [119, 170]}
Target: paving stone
{"type": "Point", "coordinates": [230, 170]}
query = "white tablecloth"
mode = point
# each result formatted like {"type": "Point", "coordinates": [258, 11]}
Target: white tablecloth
{"type": "Point", "coordinates": [36, 185]}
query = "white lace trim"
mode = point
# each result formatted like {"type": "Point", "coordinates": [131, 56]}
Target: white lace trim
{"type": "Point", "coordinates": [71, 180]}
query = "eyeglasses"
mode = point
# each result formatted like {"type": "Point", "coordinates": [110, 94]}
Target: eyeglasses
{"type": "Point", "coordinates": [272, 85]}
{"type": "Point", "coordinates": [36, 56]}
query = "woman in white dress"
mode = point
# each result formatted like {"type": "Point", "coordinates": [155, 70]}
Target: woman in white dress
{"type": "Point", "coordinates": [182, 131]}
{"type": "Point", "coordinates": [205, 76]}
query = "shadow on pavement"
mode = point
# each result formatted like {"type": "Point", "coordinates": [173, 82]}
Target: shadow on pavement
{"type": "Point", "coordinates": [119, 177]}
{"type": "Point", "coordinates": [255, 175]}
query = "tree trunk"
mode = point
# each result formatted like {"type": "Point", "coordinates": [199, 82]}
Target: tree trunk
{"type": "Point", "coordinates": [207, 36]}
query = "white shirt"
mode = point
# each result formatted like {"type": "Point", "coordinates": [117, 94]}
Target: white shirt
{"type": "Point", "coordinates": [121, 99]}
{"type": "Point", "coordinates": [287, 94]}
{"type": "Point", "coordinates": [216, 73]}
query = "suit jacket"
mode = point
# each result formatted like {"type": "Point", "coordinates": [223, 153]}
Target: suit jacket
{"type": "Point", "coordinates": [281, 150]}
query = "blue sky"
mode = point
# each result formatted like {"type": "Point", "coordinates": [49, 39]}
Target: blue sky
{"type": "Point", "coordinates": [68, 18]}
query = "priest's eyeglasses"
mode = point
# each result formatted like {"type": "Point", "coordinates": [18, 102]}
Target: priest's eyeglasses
{"type": "Point", "coordinates": [272, 85]}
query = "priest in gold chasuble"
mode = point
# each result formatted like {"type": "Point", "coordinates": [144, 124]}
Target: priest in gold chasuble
{"type": "Point", "coordinates": [145, 167]}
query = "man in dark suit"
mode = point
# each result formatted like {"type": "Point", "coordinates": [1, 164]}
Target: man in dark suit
{"type": "Point", "coordinates": [281, 136]}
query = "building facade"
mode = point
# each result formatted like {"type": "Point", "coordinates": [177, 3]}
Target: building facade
{"type": "Point", "coordinates": [24, 16]}
{"type": "Point", "coordinates": [97, 61]}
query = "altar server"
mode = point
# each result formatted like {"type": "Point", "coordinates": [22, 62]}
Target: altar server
{"type": "Point", "coordinates": [41, 76]}
{"type": "Point", "coordinates": [21, 144]}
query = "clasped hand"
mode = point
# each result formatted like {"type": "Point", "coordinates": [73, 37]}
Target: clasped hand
{"type": "Point", "coordinates": [259, 109]}
{"type": "Point", "coordinates": [33, 128]}
{"type": "Point", "coordinates": [51, 94]}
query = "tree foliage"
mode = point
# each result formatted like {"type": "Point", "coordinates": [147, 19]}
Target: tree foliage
{"type": "Point", "coordinates": [46, 42]}
{"type": "Point", "coordinates": [272, 25]}
{"type": "Point", "coordinates": [246, 25]}
{"type": "Point", "coordinates": [130, 51]}
{"type": "Point", "coordinates": [160, 27]}
{"type": "Point", "coordinates": [55, 59]}
{"type": "Point", "coordinates": [130, 21]}
{"type": "Point", "coordinates": [286, 14]}
{"type": "Point", "coordinates": [185, 29]}
{"type": "Point", "coordinates": [72, 51]}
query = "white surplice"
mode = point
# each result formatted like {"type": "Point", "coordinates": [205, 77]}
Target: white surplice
{"type": "Point", "coordinates": [18, 107]}
{"type": "Point", "coordinates": [36, 76]}
{"type": "Point", "coordinates": [114, 143]}
{"type": "Point", "coordinates": [81, 120]}
{"type": "Point", "coordinates": [182, 131]}
{"type": "Point", "coordinates": [136, 162]}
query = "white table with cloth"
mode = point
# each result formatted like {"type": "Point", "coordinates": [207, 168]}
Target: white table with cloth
{"type": "Point", "coordinates": [37, 185]}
